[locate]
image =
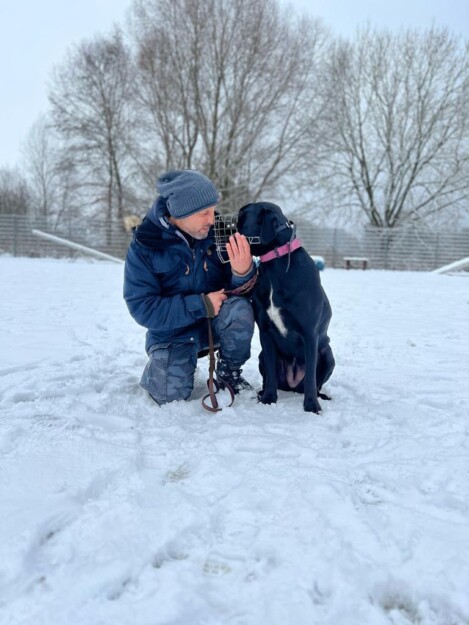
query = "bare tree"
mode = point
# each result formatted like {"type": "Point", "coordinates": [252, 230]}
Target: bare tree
{"type": "Point", "coordinates": [15, 194]}
{"type": "Point", "coordinates": [89, 96]}
{"type": "Point", "coordinates": [226, 86]}
{"type": "Point", "coordinates": [398, 124]}
{"type": "Point", "coordinates": [39, 155]}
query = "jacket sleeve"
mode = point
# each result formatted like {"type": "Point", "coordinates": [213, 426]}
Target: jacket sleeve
{"type": "Point", "coordinates": [237, 281]}
{"type": "Point", "coordinates": [146, 302]}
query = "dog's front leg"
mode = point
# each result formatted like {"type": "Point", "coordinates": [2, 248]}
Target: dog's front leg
{"type": "Point", "coordinates": [268, 395]}
{"type": "Point", "coordinates": [311, 403]}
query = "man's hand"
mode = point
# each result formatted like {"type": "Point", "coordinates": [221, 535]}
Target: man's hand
{"type": "Point", "coordinates": [239, 254]}
{"type": "Point", "coordinates": [216, 299]}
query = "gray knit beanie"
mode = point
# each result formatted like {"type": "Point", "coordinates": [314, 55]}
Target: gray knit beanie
{"type": "Point", "coordinates": [186, 191]}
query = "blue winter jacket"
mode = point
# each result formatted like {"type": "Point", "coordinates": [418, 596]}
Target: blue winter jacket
{"type": "Point", "coordinates": [164, 278]}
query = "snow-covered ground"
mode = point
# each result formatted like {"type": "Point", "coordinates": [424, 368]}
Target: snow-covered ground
{"type": "Point", "coordinates": [117, 512]}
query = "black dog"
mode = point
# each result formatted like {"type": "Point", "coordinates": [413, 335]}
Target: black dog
{"type": "Point", "coordinates": [290, 306]}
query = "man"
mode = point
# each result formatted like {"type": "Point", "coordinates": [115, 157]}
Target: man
{"type": "Point", "coordinates": [174, 281]}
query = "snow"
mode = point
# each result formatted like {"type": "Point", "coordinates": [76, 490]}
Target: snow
{"type": "Point", "coordinates": [116, 511]}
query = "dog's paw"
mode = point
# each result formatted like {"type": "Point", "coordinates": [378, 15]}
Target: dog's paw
{"type": "Point", "coordinates": [312, 405]}
{"type": "Point", "coordinates": [267, 398]}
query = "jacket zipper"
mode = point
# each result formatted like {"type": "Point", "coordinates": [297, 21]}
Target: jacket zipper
{"type": "Point", "coordinates": [194, 255]}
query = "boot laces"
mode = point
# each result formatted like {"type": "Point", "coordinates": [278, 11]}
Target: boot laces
{"type": "Point", "coordinates": [232, 377]}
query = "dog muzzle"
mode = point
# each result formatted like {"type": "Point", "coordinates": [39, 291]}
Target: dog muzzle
{"type": "Point", "coordinates": [224, 227]}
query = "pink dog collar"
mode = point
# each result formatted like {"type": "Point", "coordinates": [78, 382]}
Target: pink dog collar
{"type": "Point", "coordinates": [291, 246]}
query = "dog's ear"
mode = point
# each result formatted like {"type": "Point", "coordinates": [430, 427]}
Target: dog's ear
{"type": "Point", "coordinates": [243, 209]}
{"type": "Point", "coordinates": [242, 213]}
{"type": "Point", "coordinates": [269, 226]}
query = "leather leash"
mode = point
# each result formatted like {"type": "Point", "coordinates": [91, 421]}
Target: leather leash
{"type": "Point", "coordinates": [212, 384]}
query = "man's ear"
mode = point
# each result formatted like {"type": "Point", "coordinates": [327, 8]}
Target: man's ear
{"type": "Point", "coordinates": [269, 226]}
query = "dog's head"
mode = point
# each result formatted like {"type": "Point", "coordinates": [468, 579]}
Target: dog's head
{"type": "Point", "coordinates": [266, 223]}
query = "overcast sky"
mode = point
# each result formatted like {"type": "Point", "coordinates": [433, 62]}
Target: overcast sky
{"type": "Point", "coordinates": [34, 35]}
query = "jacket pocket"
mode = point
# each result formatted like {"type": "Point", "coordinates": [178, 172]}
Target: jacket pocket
{"type": "Point", "coordinates": [168, 264]}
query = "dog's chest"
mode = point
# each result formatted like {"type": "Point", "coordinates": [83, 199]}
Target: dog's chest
{"type": "Point", "coordinates": [275, 315]}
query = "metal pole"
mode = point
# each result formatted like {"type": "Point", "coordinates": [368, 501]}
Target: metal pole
{"type": "Point", "coordinates": [76, 246]}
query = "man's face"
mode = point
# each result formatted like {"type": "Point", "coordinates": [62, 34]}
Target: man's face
{"type": "Point", "coordinates": [198, 224]}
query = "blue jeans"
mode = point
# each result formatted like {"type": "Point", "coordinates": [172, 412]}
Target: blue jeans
{"type": "Point", "coordinates": [169, 373]}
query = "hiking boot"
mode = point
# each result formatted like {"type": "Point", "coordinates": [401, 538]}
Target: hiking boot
{"type": "Point", "coordinates": [227, 376]}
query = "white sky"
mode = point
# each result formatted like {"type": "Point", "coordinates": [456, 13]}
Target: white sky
{"type": "Point", "coordinates": [34, 35]}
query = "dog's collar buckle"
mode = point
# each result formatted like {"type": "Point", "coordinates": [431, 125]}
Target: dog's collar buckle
{"type": "Point", "coordinates": [291, 246]}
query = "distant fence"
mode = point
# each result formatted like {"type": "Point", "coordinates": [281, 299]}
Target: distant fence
{"type": "Point", "coordinates": [396, 248]}
{"type": "Point", "coordinates": [17, 238]}
{"type": "Point", "coordinates": [388, 248]}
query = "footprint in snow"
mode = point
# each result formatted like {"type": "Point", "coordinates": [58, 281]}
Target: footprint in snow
{"type": "Point", "coordinates": [176, 475]}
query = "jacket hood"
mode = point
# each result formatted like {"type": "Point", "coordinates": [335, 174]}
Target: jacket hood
{"type": "Point", "coordinates": [157, 232]}
{"type": "Point", "coordinates": [159, 213]}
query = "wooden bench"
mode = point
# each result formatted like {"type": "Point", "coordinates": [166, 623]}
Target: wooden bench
{"type": "Point", "coordinates": [350, 261]}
